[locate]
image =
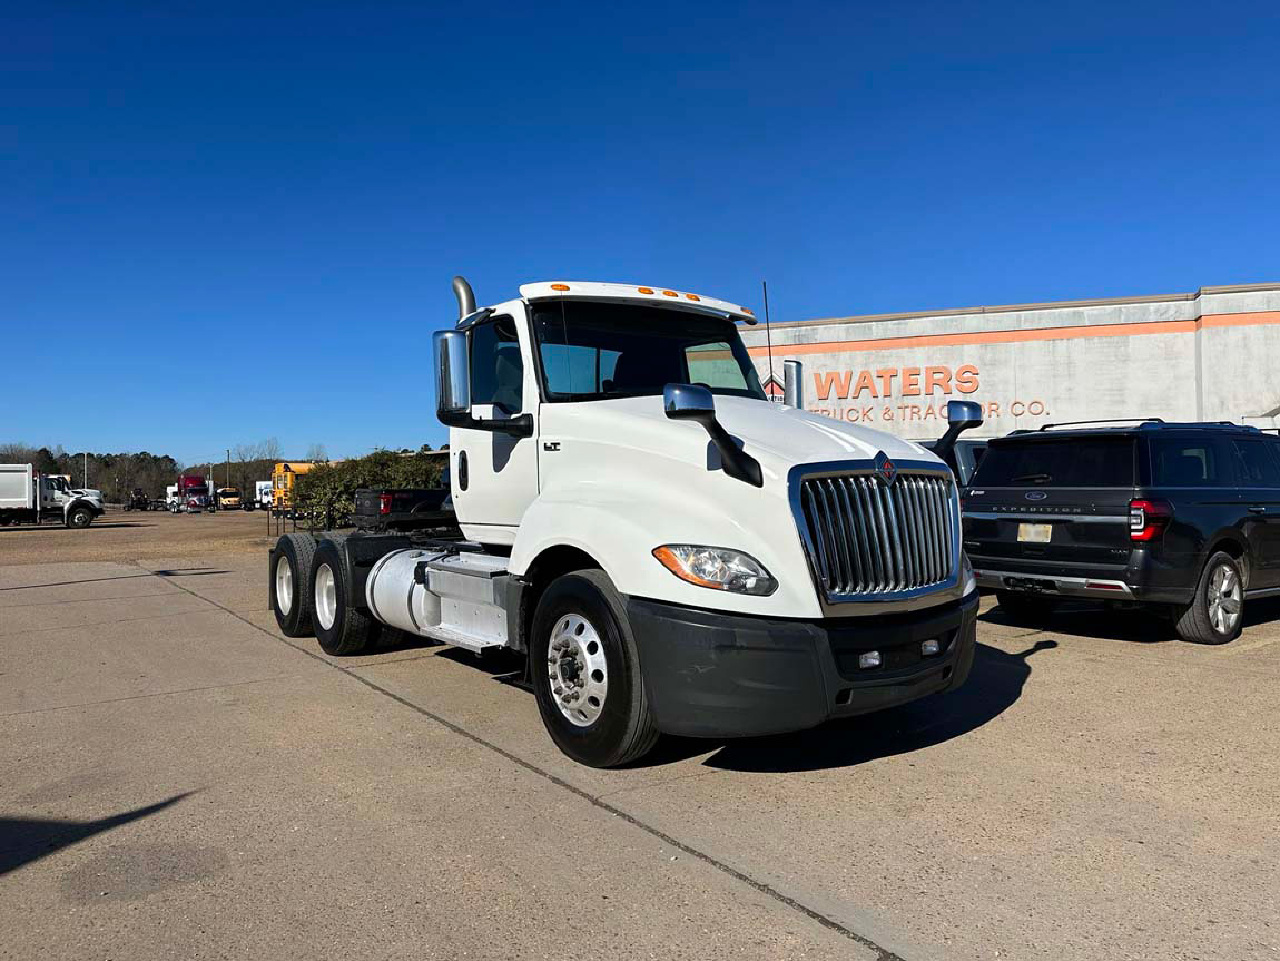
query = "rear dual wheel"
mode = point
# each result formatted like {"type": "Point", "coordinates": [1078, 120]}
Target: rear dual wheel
{"type": "Point", "coordinates": [341, 628]}
{"type": "Point", "coordinates": [289, 583]}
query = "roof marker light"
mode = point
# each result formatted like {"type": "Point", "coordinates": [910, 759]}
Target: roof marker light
{"type": "Point", "coordinates": [559, 286]}
{"type": "Point", "coordinates": [748, 311]}
{"type": "Point", "coordinates": [669, 293]}
{"type": "Point", "coordinates": [645, 290]}
{"type": "Point", "coordinates": [693, 296]}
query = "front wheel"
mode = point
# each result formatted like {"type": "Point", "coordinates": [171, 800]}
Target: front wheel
{"type": "Point", "coordinates": [1216, 613]}
{"type": "Point", "coordinates": [80, 517]}
{"type": "Point", "coordinates": [586, 672]}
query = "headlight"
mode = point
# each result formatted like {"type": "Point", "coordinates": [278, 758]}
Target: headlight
{"type": "Point", "coordinates": [716, 568]}
{"type": "Point", "coordinates": [966, 574]}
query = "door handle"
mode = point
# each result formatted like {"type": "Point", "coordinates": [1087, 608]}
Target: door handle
{"type": "Point", "coordinates": [1257, 510]}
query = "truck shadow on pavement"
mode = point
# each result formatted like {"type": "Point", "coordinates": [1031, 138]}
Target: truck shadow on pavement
{"type": "Point", "coordinates": [23, 840]}
{"type": "Point", "coordinates": [995, 683]}
{"type": "Point", "coordinates": [33, 529]}
{"type": "Point", "coordinates": [1096, 619]}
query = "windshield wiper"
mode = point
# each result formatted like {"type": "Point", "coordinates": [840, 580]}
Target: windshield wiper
{"type": "Point", "coordinates": [1034, 478]}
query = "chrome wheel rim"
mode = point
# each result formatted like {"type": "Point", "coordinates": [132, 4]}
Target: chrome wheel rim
{"type": "Point", "coordinates": [1226, 599]}
{"type": "Point", "coordinates": [326, 597]}
{"type": "Point", "coordinates": [577, 670]}
{"type": "Point", "coordinates": [284, 586]}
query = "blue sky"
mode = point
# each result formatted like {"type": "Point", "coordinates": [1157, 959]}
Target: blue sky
{"type": "Point", "coordinates": [219, 224]}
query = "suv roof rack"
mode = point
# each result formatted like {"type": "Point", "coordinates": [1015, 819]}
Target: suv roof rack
{"type": "Point", "coordinates": [1146, 423]}
{"type": "Point", "coordinates": [1109, 420]}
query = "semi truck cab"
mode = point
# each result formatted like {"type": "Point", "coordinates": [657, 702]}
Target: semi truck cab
{"type": "Point", "coordinates": [673, 552]}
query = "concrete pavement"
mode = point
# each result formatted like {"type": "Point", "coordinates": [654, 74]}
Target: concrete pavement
{"type": "Point", "coordinates": [177, 780]}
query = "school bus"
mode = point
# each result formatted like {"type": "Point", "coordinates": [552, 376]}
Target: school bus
{"type": "Point", "coordinates": [282, 481]}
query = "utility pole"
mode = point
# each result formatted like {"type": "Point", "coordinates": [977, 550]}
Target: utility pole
{"type": "Point", "coordinates": [86, 470]}
{"type": "Point", "coordinates": [228, 466]}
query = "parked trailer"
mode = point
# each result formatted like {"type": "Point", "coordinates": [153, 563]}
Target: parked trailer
{"type": "Point", "coordinates": [672, 552]}
{"type": "Point", "coordinates": [28, 497]}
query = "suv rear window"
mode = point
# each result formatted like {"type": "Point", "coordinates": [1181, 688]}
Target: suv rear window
{"type": "Point", "coordinates": [1062, 462]}
{"type": "Point", "coordinates": [1191, 462]}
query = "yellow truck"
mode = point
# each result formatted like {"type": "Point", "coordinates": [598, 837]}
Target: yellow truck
{"type": "Point", "coordinates": [282, 482]}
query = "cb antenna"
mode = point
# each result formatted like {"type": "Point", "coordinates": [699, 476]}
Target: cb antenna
{"type": "Point", "coordinates": [768, 337]}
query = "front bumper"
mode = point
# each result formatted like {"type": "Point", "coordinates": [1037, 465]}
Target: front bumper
{"type": "Point", "coordinates": [711, 674]}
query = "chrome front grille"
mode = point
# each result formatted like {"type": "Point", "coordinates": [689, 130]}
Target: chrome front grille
{"type": "Point", "coordinates": [866, 539]}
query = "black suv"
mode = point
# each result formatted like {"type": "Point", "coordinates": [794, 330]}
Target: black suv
{"type": "Point", "coordinates": [1183, 516]}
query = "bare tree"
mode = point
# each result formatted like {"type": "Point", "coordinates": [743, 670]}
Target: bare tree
{"type": "Point", "coordinates": [17, 454]}
{"type": "Point", "coordinates": [316, 452]}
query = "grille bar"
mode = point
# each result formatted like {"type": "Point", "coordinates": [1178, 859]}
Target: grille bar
{"type": "Point", "coordinates": [868, 539]}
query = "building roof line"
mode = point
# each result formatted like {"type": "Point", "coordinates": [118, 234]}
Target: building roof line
{"type": "Point", "coordinates": [1049, 305]}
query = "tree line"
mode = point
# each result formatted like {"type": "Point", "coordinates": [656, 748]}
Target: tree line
{"type": "Point", "coordinates": [118, 474]}
{"type": "Point", "coordinates": [113, 474]}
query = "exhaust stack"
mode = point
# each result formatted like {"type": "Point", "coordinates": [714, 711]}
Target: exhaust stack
{"type": "Point", "coordinates": [466, 297]}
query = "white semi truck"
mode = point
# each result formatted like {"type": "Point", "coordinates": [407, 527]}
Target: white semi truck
{"type": "Point", "coordinates": [671, 551]}
{"type": "Point", "coordinates": [29, 497]}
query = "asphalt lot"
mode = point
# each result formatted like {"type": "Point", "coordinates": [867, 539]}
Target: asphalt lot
{"type": "Point", "coordinates": [177, 780]}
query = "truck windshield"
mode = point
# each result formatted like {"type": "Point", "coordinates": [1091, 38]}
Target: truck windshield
{"type": "Point", "coordinates": [595, 350]}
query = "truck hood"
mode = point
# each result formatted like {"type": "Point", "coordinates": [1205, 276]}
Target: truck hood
{"type": "Point", "coordinates": [89, 492]}
{"type": "Point", "coordinates": [794, 436]}
{"type": "Point", "coordinates": [778, 436]}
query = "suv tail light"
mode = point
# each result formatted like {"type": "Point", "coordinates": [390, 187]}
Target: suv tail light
{"type": "Point", "coordinates": [1147, 519]}
{"type": "Point", "coordinates": [384, 503]}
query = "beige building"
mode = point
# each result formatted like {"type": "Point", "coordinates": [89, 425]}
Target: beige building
{"type": "Point", "coordinates": [1209, 355]}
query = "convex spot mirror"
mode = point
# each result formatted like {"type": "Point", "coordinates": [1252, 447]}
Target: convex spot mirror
{"type": "Point", "coordinates": [691, 402]}
{"type": "Point", "coordinates": [688, 402]}
{"type": "Point", "coordinates": [967, 413]}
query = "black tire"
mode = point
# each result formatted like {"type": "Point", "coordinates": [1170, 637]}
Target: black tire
{"type": "Point", "coordinates": [1023, 607]}
{"type": "Point", "coordinates": [291, 561]}
{"type": "Point", "coordinates": [350, 630]}
{"type": "Point", "coordinates": [624, 729]}
{"type": "Point", "coordinates": [1196, 622]}
{"type": "Point", "coordinates": [80, 517]}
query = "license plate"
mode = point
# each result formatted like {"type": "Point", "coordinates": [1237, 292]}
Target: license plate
{"type": "Point", "coordinates": [1035, 533]}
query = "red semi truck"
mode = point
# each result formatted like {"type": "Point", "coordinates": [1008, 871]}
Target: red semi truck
{"type": "Point", "coordinates": [190, 494]}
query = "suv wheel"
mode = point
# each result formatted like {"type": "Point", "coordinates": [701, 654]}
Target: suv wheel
{"type": "Point", "coordinates": [1216, 613]}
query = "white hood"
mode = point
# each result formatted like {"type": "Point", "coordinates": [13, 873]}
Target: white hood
{"type": "Point", "coordinates": [778, 436]}
{"type": "Point", "coordinates": [799, 437]}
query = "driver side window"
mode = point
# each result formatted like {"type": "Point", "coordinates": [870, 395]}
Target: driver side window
{"type": "Point", "coordinates": [497, 369]}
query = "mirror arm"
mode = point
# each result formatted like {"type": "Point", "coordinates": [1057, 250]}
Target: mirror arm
{"type": "Point", "coordinates": [737, 463]}
{"type": "Point", "coordinates": [521, 426]}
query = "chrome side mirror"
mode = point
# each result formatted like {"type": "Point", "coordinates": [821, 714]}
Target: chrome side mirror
{"type": "Point", "coordinates": [965, 412]}
{"type": "Point", "coordinates": [453, 380]}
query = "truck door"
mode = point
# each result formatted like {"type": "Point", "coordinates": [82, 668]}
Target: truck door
{"type": "Point", "coordinates": [1260, 492]}
{"type": "Point", "coordinates": [495, 475]}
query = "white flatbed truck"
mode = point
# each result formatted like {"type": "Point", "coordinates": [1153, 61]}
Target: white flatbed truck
{"type": "Point", "coordinates": [672, 552]}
